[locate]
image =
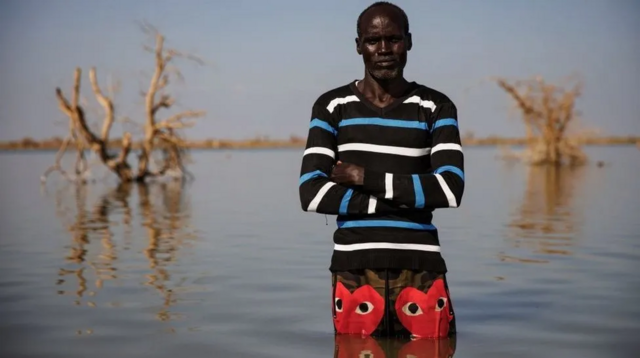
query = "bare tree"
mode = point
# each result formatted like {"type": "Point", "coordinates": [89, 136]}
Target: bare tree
{"type": "Point", "coordinates": [547, 110]}
{"type": "Point", "coordinates": [162, 135]}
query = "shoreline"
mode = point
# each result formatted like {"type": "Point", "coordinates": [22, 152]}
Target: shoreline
{"type": "Point", "coordinates": [54, 144]}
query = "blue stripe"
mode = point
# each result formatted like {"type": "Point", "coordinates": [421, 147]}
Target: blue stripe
{"type": "Point", "coordinates": [384, 223]}
{"type": "Point", "coordinates": [444, 122]}
{"type": "Point", "coordinates": [400, 123]}
{"type": "Point", "coordinates": [311, 175]}
{"type": "Point", "coordinates": [417, 188]}
{"type": "Point", "coordinates": [344, 205]}
{"type": "Point", "coordinates": [322, 124]}
{"type": "Point", "coordinates": [450, 168]}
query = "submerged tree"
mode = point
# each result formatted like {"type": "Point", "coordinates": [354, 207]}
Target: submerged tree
{"type": "Point", "coordinates": [548, 111]}
{"type": "Point", "coordinates": [160, 135]}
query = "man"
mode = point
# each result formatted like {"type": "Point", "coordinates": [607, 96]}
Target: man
{"type": "Point", "coordinates": [382, 153]}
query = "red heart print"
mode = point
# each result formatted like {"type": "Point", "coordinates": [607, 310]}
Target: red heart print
{"type": "Point", "coordinates": [359, 312]}
{"type": "Point", "coordinates": [425, 315]}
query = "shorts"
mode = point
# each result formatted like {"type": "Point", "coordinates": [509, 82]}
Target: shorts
{"type": "Point", "coordinates": [392, 303]}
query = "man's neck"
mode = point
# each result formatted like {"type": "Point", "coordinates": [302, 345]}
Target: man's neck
{"type": "Point", "coordinates": [382, 91]}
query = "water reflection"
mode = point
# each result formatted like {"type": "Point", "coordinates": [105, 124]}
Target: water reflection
{"type": "Point", "coordinates": [354, 346]}
{"type": "Point", "coordinates": [93, 255]}
{"type": "Point", "coordinates": [548, 219]}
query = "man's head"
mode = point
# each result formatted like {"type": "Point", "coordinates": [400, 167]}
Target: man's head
{"type": "Point", "coordinates": [383, 40]}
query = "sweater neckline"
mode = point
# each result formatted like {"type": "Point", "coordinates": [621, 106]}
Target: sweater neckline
{"type": "Point", "coordinates": [413, 87]}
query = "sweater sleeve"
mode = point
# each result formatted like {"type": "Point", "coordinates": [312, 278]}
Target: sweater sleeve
{"type": "Point", "coordinates": [318, 193]}
{"type": "Point", "coordinates": [444, 186]}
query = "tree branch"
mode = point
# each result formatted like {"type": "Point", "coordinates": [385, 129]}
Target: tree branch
{"type": "Point", "coordinates": [174, 121]}
{"type": "Point", "coordinates": [165, 102]}
{"type": "Point", "coordinates": [105, 102]}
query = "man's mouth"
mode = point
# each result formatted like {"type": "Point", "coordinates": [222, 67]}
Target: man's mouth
{"type": "Point", "coordinates": [386, 62]}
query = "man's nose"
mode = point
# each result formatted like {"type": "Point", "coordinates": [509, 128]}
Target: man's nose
{"type": "Point", "coordinates": [385, 46]}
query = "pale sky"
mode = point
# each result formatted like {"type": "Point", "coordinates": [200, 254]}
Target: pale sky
{"type": "Point", "coordinates": [272, 59]}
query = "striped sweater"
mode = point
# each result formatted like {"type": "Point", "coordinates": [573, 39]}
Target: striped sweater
{"type": "Point", "coordinates": [413, 164]}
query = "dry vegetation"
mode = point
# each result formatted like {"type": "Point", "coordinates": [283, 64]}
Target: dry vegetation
{"type": "Point", "coordinates": [549, 113]}
{"type": "Point", "coordinates": [161, 135]}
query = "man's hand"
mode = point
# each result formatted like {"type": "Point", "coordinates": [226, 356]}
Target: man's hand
{"type": "Point", "coordinates": [347, 174]}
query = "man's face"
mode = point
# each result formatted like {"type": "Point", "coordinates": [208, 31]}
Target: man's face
{"type": "Point", "coordinates": [383, 44]}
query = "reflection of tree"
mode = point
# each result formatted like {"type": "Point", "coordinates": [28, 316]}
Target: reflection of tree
{"type": "Point", "coordinates": [85, 225]}
{"type": "Point", "coordinates": [164, 219]}
{"type": "Point", "coordinates": [165, 231]}
{"type": "Point", "coordinates": [545, 222]}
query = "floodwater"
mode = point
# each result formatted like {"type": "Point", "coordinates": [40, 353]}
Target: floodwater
{"type": "Point", "coordinates": [542, 263]}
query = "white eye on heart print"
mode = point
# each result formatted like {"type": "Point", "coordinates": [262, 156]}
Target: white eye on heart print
{"type": "Point", "coordinates": [363, 308]}
{"type": "Point", "coordinates": [412, 308]}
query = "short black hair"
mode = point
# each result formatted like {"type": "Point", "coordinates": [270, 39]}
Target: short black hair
{"type": "Point", "coordinates": [383, 3]}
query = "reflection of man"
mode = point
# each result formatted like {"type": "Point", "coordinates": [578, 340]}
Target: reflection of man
{"type": "Point", "coordinates": [357, 346]}
{"type": "Point", "coordinates": [382, 153]}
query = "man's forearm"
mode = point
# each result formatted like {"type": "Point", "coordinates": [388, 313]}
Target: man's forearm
{"type": "Point", "coordinates": [444, 187]}
{"type": "Point", "coordinates": [321, 195]}
{"type": "Point", "coordinates": [317, 192]}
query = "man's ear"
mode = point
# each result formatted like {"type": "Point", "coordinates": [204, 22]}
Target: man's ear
{"type": "Point", "coordinates": [409, 42]}
{"type": "Point", "coordinates": [358, 49]}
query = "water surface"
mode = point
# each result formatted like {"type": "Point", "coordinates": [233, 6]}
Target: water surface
{"type": "Point", "coordinates": [543, 263]}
